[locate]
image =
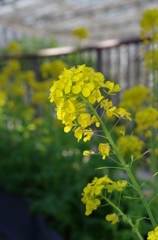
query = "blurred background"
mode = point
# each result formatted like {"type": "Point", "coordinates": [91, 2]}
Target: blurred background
{"type": "Point", "coordinates": [57, 19]}
{"type": "Point", "coordinates": [42, 173]}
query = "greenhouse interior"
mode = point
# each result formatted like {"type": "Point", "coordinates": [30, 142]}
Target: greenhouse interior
{"type": "Point", "coordinates": [78, 120]}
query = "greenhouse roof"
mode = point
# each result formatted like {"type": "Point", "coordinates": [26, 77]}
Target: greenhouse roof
{"type": "Point", "coordinates": [104, 19]}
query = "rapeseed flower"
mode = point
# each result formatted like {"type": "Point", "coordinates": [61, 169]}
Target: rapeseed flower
{"type": "Point", "coordinates": [104, 149]}
{"type": "Point", "coordinates": [52, 69]}
{"type": "Point", "coordinates": [130, 145]}
{"type": "Point", "coordinates": [133, 98]}
{"type": "Point", "coordinates": [14, 48]}
{"type": "Point", "coordinates": [113, 218]}
{"type": "Point", "coordinates": [153, 235]}
{"type": "Point", "coordinates": [118, 186]}
{"type": "Point", "coordinates": [88, 134]}
{"type": "Point", "coordinates": [92, 193]}
{"type": "Point", "coordinates": [146, 119]}
{"type": "Point", "coordinates": [149, 20]}
{"type": "Point", "coordinates": [80, 33]}
{"type": "Point", "coordinates": [72, 89]}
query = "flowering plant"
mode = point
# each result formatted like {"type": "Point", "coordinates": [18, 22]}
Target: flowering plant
{"type": "Point", "coordinates": [82, 99]}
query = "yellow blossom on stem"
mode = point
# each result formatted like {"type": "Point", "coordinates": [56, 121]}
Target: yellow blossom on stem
{"type": "Point", "coordinates": [92, 193]}
{"type": "Point", "coordinates": [88, 134]}
{"type": "Point", "coordinates": [153, 235]}
{"type": "Point", "coordinates": [84, 120]}
{"type": "Point", "coordinates": [123, 114]}
{"type": "Point", "coordinates": [110, 111]}
{"type": "Point", "coordinates": [72, 89]}
{"type": "Point", "coordinates": [78, 133]}
{"type": "Point", "coordinates": [112, 87]}
{"type": "Point", "coordinates": [95, 120]}
{"type": "Point", "coordinates": [118, 186]}
{"type": "Point", "coordinates": [104, 149]}
{"type": "Point", "coordinates": [87, 152]}
{"type": "Point", "coordinates": [113, 218]}
{"type": "Point", "coordinates": [105, 104]}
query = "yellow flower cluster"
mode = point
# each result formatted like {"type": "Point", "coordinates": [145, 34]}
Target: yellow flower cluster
{"type": "Point", "coordinates": [14, 48]}
{"type": "Point", "coordinates": [74, 87]}
{"type": "Point", "coordinates": [153, 235]}
{"type": "Point", "coordinates": [149, 29]}
{"type": "Point", "coordinates": [130, 145]}
{"type": "Point", "coordinates": [80, 32]}
{"type": "Point", "coordinates": [134, 97]}
{"type": "Point", "coordinates": [52, 69]}
{"type": "Point", "coordinates": [149, 20]}
{"type": "Point", "coordinates": [92, 193]}
{"type": "Point", "coordinates": [16, 83]}
{"type": "Point", "coordinates": [146, 119]}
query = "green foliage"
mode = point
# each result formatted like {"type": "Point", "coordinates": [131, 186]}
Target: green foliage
{"type": "Point", "coordinates": [40, 161]}
{"type": "Point", "coordinates": [33, 44]}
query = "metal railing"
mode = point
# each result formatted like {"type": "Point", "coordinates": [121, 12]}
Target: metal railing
{"type": "Point", "coordinates": [119, 60]}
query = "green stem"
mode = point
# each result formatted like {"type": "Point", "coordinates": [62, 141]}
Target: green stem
{"type": "Point", "coordinates": [123, 215]}
{"type": "Point", "coordinates": [126, 167]}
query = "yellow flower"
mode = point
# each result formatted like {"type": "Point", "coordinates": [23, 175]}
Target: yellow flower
{"type": "Point", "coordinates": [146, 119]}
{"type": "Point", "coordinates": [14, 66]}
{"type": "Point", "coordinates": [57, 67]}
{"type": "Point", "coordinates": [149, 20]}
{"type": "Point", "coordinates": [130, 145]}
{"type": "Point", "coordinates": [156, 151]}
{"type": "Point", "coordinates": [153, 235]}
{"type": "Point", "coordinates": [95, 120]}
{"type": "Point", "coordinates": [112, 87]}
{"type": "Point", "coordinates": [104, 149]}
{"type": "Point", "coordinates": [92, 193]}
{"type": "Point", "coordinates": [52, 69]}
{"type": "Point", "coordinates": [84, 120]}
{"type": "Point", "coordinates": [105, 104]}
{"type": "Point", "coordinates": [95, 96]}
{"type": "Point", "coordinates": [134, 97]}
{"type": "Point", "coordinates": [14, 48]}
{"type": "Point", "coordinates": [78, 133]}
{"type": "Point", "coordinates": [88, 134]}
{"type": "Point", "coordinates": [91, 205]}
{"type": "Point", "coordinates": [118, 186]}
{"type": "Point", "coordinates": [87, 152]}
{"type": "Point", "coordinates": [123, 114]}
{"type": "Point", "coordinates": [80, 32]}
{"type": "Point", "coordinates": [110, 111]}
{"type": "Point", "coordinates": [113, 218]}
{"type": "Point", "coordinates": [148, 134]}
{"type": "Point", "coordinates": [70, 92]}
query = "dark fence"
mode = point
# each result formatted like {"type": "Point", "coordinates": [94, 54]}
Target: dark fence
{"type": "Point", "coordinates": [119, 60]}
